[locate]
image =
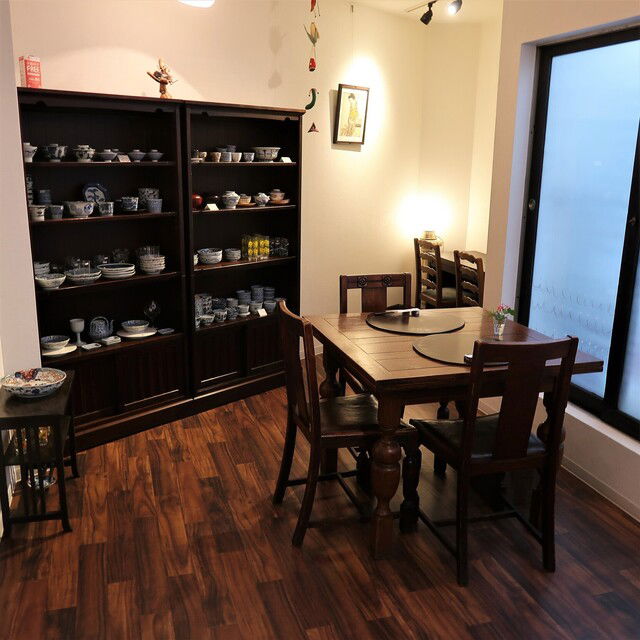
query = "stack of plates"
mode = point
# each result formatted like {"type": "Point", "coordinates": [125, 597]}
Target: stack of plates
{"type": "Point", "coordinates": [232, 255]}
{"type": "Point", "coordinates": [209, 256]}
{"type": "Point", "coordinates": [117, 270]}
{"type": "Point", "coordinates": [152, 264]}
{"type": "Point", "coordinates": [41, 268]}
{"type": "Point", "coordinates": [83, 276]}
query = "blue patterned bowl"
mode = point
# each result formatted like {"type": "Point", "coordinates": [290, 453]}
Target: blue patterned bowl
{"type": "Point", "coordinates": [34, 383]}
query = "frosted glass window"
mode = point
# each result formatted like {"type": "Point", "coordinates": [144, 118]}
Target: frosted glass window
{"type": "Point", "coordinates": [629, 400]}
{"type": "Point", "coordinates": [590, 140]}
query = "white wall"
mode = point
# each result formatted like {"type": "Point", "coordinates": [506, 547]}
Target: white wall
{"type": "Point", "coordinates": [601, 456]}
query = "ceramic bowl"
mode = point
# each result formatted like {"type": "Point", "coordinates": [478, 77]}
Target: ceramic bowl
{"type": "Point", "coordinates": [244, 199]}
{"type": "Point", "coordinates": [83, 153]}
{"type": "Point", "coordinates": [135, 326]}
{"type": "Point", "coordinates": [270, 305]}
{"type": "Point", "coordinates": [154, 205]}
{"type": "Point", "coordinates": [248, 156]}
{"type": "Point", "coordinates": [243, 309]}
{"type": "Point", "coordinates": [236, 156]}
{"type": "Point", "coordinates": [55, 152]}
{"type": "Point", "coordinates": [51, 280]}
{"type": "Point", "coordinates": [261, 199]}
{"type": "Point", "coordinates": [225, 156]}
{"type": "Point", "coordinates": [36, 212]}
{"type": "Point", "coordinates": [56, 211]}
{"type": "Point", "coordinates": [154, 155]}
{"type": "Point", "coordinates": [136, 155]}
{"type": "Point", "coordinates": [215, 156]}
{"type": "Point", "coordinates": [34, 383]}
{"type": "Point", "coordinates": [83, 276]}
{"type": "Point", "coordinates": [276, 195]}
{"type": "Point", "coordinates": [266, 154]}
{"type": "Point", "coordinates": [80, 208]}
{"type": "Point", "coordinates": [51, 343]}
{"type": "Point", "coordinates": [107, 155]}
{"type": "Point", "coordinates": [207, 319]}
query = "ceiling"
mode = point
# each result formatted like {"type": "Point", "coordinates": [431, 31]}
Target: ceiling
{"type": "Point", "coordinates": [471, 11]}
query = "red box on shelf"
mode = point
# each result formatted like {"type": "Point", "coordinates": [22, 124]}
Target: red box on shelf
{"type": "Point", "coordinates": [30, 72]}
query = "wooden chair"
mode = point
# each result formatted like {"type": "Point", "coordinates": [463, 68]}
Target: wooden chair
{"type": "Point", "coordinates": [332, 423]}
{"type": "Point", "coordinates": [469, 280]}
{"type": "Point", "coordinates": [374, 290]}
{"type": "Point", "coordinates": [494, 444]}
{"type": "Point", "coordinates": [429, 287]}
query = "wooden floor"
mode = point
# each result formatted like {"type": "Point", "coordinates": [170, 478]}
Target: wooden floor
{"type": "Point", "coordinates": [175, 536]}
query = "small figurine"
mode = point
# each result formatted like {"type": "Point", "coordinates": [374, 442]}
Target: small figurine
{"type": "Point", "coordinates": [313, 128]}
{"type": "Point", "coordinates": [163, 77]}
{"type": "Point", "coordinates": [313, 94]}
{"type": "Point", "coordinates": [314, 35]}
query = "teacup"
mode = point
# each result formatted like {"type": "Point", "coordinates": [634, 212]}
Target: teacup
{"type": "Point", "coordinates": [154, 205]}
{"type": "Point", "coordinates": [55, 152]}
{"type": "Point", "coordinates": [43, 196]}
{"type": "Point", "coordinates": [80, 208]}
{"type": "Point", "coordinates": [55, 211]}
{"type": "Point", "coordinates": [243, 309]}
{"type": "Point", "coordinates": [105, 208]}
{"type": "Point", "coordinates": [225, 156]}
{"type": "Point", "coordinates": [270, 305]}
{"type": "Point", "coordinates": [215, 156]}
{"type": "Point", "coordinates": [236, 156]}
{"type": "Point", "coordinates": [36, 212]}
{"type": "Point", "coordinates": [248, 156]}
{"type": "Point", "coordinates": [129, 203]}
{"type": "Point", "coordinates": [220, 315]}
{"type": "Point", "coordinates": [28, 151]}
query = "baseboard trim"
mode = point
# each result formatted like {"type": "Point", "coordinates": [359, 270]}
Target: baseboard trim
{"type": "Point", "coordinates": [602, 488]}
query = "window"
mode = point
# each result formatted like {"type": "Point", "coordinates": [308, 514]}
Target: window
{"type": "Point", "coordinates": [581, 235]}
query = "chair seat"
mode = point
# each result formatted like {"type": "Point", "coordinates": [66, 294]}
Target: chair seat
{"type": "Point", "coordinates": [356, 416]}
{"type": "Point", "coordinates": [449, 432]}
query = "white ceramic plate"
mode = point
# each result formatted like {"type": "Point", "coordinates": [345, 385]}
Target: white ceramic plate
{"type": "Point", "coordinates": [151, 331]}
{"type": "Point", "coordinates": [70, 348]}
{"type": "Point", "coordinates": [118, 276]}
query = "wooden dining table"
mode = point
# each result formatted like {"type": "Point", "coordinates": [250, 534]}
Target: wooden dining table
{"type": "Point", "coordinates": [387, 366]}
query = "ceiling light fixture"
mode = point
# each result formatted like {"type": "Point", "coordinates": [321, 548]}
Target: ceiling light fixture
{"type": "Point", "coordinates": [454, 7]}
{"type": "Point", "coordinates": [201, 4]}
{"type": "Point", "coordinates": [426, 17]}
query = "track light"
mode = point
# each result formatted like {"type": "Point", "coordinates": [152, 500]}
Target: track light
{"type": "Point", "coordinates": [454, 7]}
{"type": "Point", "coordinates": [426, 17]}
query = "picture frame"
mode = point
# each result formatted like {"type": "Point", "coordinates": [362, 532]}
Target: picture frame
{"type": "Point", "coordinates": [351, 114]}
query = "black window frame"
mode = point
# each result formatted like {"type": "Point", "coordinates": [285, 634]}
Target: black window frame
{"type": "Point", "coordinates": [605, 408]}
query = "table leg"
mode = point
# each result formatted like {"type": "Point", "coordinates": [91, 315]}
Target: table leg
{"type": "Point", "coordinates": [535, 513]}
{"type": "Point", "coordinates": [62, 493]}
{"type": "Point", "coordinates": [72, 448]}
{"type": "Point", "coordinates": [385, 474]}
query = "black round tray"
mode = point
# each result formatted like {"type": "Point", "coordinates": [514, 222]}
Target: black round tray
{"type": "Point", "coordinates": [425, 324]}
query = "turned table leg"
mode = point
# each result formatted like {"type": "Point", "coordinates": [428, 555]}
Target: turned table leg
{"type": "Point", "coordinates": [385, 475]}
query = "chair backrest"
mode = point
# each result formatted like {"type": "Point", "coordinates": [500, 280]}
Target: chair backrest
{"type": "Point", "coordinates": [469, 279]}
{"type": "Point", "coordinates": [526, 370]}
{"type": "Point", "coordinates": [374, 290]}
{"type": "Point", "coordinates": [428, 272]}
{"type": "Point", "coordinates": [302, 391]}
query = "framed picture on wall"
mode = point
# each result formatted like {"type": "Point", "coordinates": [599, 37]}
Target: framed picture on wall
{"type": "Point", "coordinates": [351, 114]}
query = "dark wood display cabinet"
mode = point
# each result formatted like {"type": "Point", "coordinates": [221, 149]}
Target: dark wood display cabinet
{"type": "Point", "coordinates": [241, 357]}
{"type": "Point", "coordinates": [137, 384]}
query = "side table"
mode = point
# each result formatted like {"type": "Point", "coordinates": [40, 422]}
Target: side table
{"type": "Point", "coordinates": [41, 428]}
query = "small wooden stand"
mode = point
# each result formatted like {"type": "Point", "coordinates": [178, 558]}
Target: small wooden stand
{"type": "Point", "coordinates": [26, 450]}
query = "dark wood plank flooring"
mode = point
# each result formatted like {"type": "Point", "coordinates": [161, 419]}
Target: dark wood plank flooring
{"type": "Point", "coordinates": [175, 536]}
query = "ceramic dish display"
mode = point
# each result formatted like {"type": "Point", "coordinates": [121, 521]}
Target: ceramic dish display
{"type": "Point", "coordinates": [154, 155]}
{"type": "Point", "coordinates": [80, 208]}
{"type": "Point", "coordinates": [50, 280]}
{"type": "Point", "coordinates": [152, 264]}
{"type": "Point", "coordinates": [117, 270]}
{"type": "Point", "coordinates": [266, 154]}
{"type": "Point", "coordinates": [55, 353]}
{"type": "Point", "coordinates": [150, 331]}
{"type": "Point", "coordinates": [95, 192]}
{"type": "Point", "coordinates": [52, 343]}
{"type": "Point", "coordinates": [34, 383]}
{"type": "Point", "coordinates": [135, 326]}
{"type": "Point", "coordinates": [82, 276]}
{"type": "Point", "coordinates": [209, 255]}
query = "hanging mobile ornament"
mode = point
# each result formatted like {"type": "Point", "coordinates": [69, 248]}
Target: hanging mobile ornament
{"type": "Point", "coordinates": [313, 94]}
{"type": "Point", "coordinates": [315, 8]}
{"type": "Point", "coordinates": [314, 35]}
{"type": "Point", "coordinates": [313, 128]}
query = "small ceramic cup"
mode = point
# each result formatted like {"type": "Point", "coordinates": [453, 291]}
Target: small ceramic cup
{"type": "Point", "coordinates": [236, 156]}
{"type": "Point", "coordinates": [232, 313]}
{"type": "Point", "coordinates": [225, 156]}
{"type": "Point", "coordinates": [254, 306]}
{"type": "Point", "coordinates": [243, 309]}
{"type": "Point", "coordinates": [270, 305]}
{"type": "Point", "coordinates": [248, 156]}
{"type": "Point", "coordinates": [105, 208]}
{"type": "Point", "coordinates": [220, 315]}
{"type": "Point", "coordinates": [154, 205]}
{"type": "Point", "coordinates": [36, 212]}
{"type": "Point", "coordinates": [232, 302]}
{"type": "Point", "coordinates": [215, 156]}
{"type": "Point", "coordinates": [129, 203]}
{"type": "Point", "coordinates": [55, 211]}
{"type": "Point", "coordinates": [43, 196]}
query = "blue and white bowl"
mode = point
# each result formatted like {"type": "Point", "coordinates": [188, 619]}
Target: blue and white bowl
{"type": "Point", "coordinates": [34, 383]}
{"type": "Point", "coordinates": [135, 326]}
{"type": "Point", "coordinates": [52, 343]}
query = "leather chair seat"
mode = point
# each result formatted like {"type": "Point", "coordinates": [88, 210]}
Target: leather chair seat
{"type": "Point", "coordinates": [449, 432]}
{"type": "Point", "coordinates": [355, 416]}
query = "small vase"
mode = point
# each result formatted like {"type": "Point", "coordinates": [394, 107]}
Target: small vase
{"type": "Point", "coordinates": [498, 328]}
